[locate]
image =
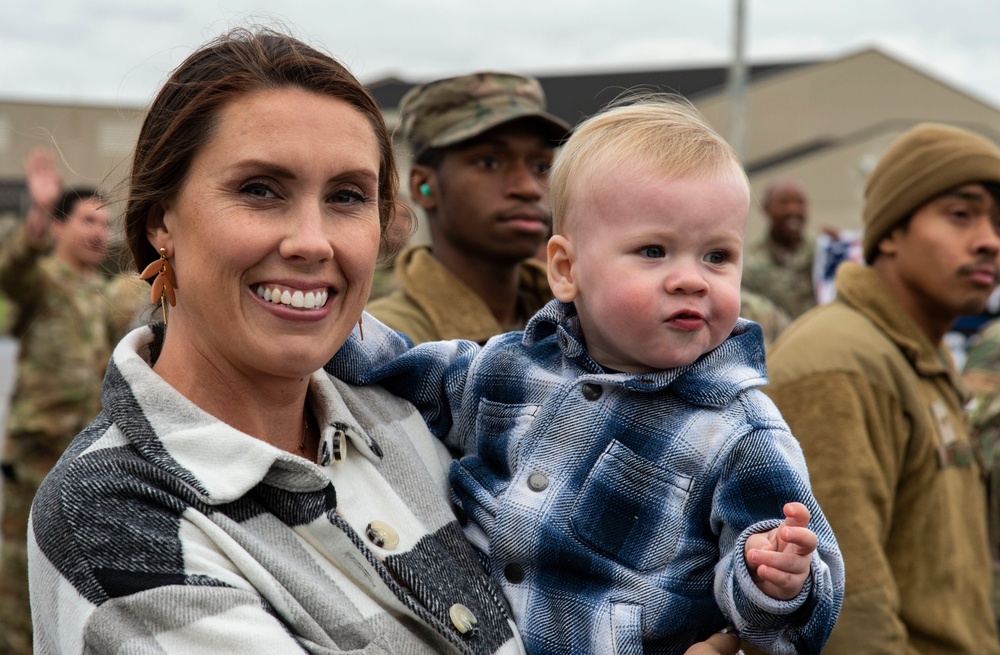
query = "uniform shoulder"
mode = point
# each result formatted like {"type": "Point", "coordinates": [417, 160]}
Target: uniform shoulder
{"type": "Point", "coordinates": [401, 313]}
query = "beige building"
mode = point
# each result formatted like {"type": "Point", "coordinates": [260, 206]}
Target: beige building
{"type": "Point", "coordinates": [826, 124]}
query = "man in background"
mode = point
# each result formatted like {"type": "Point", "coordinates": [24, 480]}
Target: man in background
{"type": "Point", "coordinates": [68, 316]}
{"type": "Point", "coordinates": [482, 146]}
{"type": "Point", "coordinates": [779, 267]}
{"type": "Point", "coordinates": [869, 388]}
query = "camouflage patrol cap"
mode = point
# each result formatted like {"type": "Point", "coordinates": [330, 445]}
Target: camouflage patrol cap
{"type": "Point", "coordinates": [449, 111]}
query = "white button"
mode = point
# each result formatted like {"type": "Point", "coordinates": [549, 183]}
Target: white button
{"type": "Point", "coordinates": [382, 535]}
{"type": "Point", "coordinates": [537, 481]}
{"type": "Point", "coordinates": [463, 619]}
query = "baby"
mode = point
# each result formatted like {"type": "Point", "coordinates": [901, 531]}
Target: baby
{"type": "Point", "coordinates": [618, 469]}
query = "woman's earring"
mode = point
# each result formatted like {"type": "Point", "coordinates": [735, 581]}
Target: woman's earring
{"type": "Point", "coordinates": [361, 326]}
{"type": "Point", "coordinates": [164, 284]}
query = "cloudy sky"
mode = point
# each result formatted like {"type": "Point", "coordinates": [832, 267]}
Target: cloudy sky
{"type": "Point", "coordinates": [119, 51]}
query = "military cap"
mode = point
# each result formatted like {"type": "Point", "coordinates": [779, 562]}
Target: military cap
{"type": "Point", "coordinates": [448, 111]}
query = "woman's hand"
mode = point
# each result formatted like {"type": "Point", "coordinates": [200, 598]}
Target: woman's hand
{"type": "Point", "coordinates": [720, 643]}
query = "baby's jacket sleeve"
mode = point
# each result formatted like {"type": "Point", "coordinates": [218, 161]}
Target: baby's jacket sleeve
{"type": "Point", "coordinates": [432, 375]}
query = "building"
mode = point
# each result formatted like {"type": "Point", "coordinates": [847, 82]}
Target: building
{"type": "Point", "coordinates": [820, 122]}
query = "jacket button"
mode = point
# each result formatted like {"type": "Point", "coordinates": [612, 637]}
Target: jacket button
{"type": "Point", "coordinates": [592, 391]}
{"type": "Point", "coordinates": [537, 481]}
{"type": "Point", "coordinates": [463, 619]}
{"type": "Point", "coordinates": [382, 535]}
{"type": "Point", "coordinates": [514, 573]}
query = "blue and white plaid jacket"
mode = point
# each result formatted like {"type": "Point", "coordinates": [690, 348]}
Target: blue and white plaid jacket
{"type": "Point", "coordinates": [613, 507]}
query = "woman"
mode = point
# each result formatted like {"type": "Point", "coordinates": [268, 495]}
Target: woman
{"type": "Point", "coordinates": [232, 497]}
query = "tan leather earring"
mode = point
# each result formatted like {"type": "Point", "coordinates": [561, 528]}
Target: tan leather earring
{"type": "Point", "coordinates": [164, 284]}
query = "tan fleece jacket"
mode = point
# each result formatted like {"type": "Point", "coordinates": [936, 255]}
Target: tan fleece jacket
{"type": "Point", "coordinates": [433, 304]}
{"type": "Point", "coordinates": [878, 411]}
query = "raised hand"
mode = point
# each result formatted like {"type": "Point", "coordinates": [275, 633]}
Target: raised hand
{"type": "Point", "coordinates": [45, 186]}
{"type": "Point", "coordinates": [779, 559]}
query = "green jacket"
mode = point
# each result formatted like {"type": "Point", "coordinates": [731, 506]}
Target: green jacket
{"type": "Point", "coordinates": [879, 413]}
{"type": "Point", "coordinates": [781, 275]}
{"type": "Point", "coordinates": [434, 305]}
{"type": "Point", "coordinates": [67, 325]}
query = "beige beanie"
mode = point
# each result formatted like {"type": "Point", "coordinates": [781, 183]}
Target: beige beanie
{"type": "Point", "coordinates": [918, 166]}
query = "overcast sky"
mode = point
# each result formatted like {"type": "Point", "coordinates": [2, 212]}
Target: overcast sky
{"type": "Point", "coordinates": [119, 51]}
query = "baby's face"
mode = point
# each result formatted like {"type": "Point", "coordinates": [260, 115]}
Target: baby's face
{"type": "Point", "coordinates": [657, 264]}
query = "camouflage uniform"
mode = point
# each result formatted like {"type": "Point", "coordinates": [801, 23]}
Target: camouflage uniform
{"type": "Point", "coordinates": [783, 276]}
{"type": "Point", "coordinates": [982, 379]}
{"type": "Point", "coordinates": [67, 325]}
{"type": "Point", "coordinates": [772, 319]}
{"type": "Point", "coordinates": [446, 112]}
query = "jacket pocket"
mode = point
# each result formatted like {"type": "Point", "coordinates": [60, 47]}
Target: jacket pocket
{"type": "Point", "coordinates": [630, 509]}
{"type": "Point", "coordinates": [498, 428]}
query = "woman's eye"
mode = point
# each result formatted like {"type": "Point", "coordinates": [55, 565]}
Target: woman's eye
{"type": "Point", "coordinates": [716, 257]}
{"type": "Point", "coordinates": [653, 252]}
{"type": "Point", "coordinates": [258, 190]}
{"type": "Point", "coordinates": [348, 196]}
{"type": "Point", "coordinates": [542, 168]}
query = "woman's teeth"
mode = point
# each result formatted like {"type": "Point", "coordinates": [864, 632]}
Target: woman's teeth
{"type": "Point", "coordinates": [297, 299]}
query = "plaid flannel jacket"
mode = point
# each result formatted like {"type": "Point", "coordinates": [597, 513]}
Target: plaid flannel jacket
{"type": "Point", "coordinates": [613, 508]}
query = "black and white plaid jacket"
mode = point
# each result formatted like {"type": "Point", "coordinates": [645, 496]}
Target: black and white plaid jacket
{"type": "Point", "coordinates": [164, 530]}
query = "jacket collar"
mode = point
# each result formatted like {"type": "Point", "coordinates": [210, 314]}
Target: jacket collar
{"type": "Point", "coordinates": [454, 310]}
{"type": "Point", "coordinates": [220, 463]}
{"type": "Point", "coordinates": [861, 288]}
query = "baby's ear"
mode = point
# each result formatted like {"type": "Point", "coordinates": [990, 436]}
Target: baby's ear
{"type": "Point", "coordinates": [562, 259]}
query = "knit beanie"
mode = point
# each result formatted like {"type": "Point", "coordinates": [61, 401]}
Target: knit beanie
{"type": "Point", "coordinates": [918, 166]}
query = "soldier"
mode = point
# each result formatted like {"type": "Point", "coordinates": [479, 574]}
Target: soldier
{"type": "Point", "coordinates": [482, 146]}
{"type": "Point", "coordinates": [780, 266]}
{"type": "Point", "coordinates": [982, 379]}
{"type": "Point", "coordinates": [868, 387]}
{"type": "Point", "coordinates": [68, 318]}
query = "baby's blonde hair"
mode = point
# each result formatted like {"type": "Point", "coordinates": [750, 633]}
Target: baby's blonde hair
{"type": "Point", "coordinates": [663, 131]}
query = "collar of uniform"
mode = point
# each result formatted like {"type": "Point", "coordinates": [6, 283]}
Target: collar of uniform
{"type": "Point", "coordinates": [452, 307]}
{"type": "Point", "coordinates": [713, 380]}
{"type": "Point", "coordinates": [861, 288]}
{"type": "Point", "coordinates": [217, 461]}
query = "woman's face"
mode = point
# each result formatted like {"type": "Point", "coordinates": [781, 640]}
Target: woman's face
{"type": "Point", "coordinates": [274, 234]}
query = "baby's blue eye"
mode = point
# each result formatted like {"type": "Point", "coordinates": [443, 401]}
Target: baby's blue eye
{"type": "Point", "coordinates": [653, 252]}
{"type": "Point", "coordinates": [716, 257]}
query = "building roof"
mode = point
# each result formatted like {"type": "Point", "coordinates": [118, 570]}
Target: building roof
{"type": "Point", "coordinates": [573, 97]}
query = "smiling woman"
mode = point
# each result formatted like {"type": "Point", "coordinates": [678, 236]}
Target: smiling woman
{"type": "Point", "coordinates": [232, 497]}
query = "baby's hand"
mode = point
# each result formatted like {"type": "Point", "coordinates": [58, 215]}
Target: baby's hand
{"type": "Point", "coordinates": [778, 560]}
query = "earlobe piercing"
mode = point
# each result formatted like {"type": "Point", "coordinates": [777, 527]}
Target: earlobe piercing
{"type": "Point", "coordinates": [425, 190]}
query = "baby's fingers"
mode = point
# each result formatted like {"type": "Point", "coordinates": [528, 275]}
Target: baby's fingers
{"type": "Point", "coordinates": [788, 562]}
{"type": "Point", "coordinates": [802, 541]}
{"type": "Point", "coordinates": [780, 584]}
{"type": "Point", "coordinates": [796, 515]}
